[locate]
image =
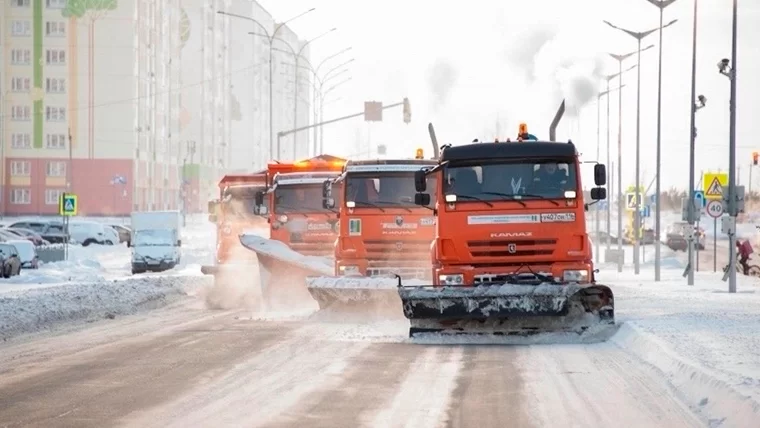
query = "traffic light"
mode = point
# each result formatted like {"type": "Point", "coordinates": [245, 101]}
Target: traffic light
{"type": "Point", "coordinates": [407, 111]}
{"type": "Point", "coordinates": [754, 158]}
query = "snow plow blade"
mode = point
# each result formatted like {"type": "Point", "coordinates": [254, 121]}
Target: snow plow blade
{"type": "Point", "coordinates": [355, 294]}
{"type": "Point", "coordinates": [508, 309]}
{"type": "Point", "coordinates": [282, 271]}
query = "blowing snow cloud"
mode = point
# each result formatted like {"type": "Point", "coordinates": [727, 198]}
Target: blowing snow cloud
{"type": "Point", "coordinates": [442, 76]}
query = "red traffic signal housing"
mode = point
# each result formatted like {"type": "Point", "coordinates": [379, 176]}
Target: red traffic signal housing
{"type": "Point", "coordinates": [754, 158]}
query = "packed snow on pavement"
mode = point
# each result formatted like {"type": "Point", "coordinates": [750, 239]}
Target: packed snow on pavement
{"type": "Point", "coordinates": [96, 283]}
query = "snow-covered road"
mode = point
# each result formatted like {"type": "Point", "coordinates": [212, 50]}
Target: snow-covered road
{"type": "Point", "coordinates": [682, 357]}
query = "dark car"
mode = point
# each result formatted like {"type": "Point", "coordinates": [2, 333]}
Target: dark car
{"type": "Point", "coordinates": [30, 235]}
{"type": "Point", "coordinates": [49, 231]}
{"type": "Point", "coordinates": [11, 262]}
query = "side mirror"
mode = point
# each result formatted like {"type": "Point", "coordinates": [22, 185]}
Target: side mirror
{"type": "Point", "coordinates": [598, 193]}
{"type": "Point", "coordinates": [422, 199]}
{"type": "Point", "coordinates": [259, 198]}
{"type": "Point", "coordinates": [327, 188]}
{"type": "Point", "coordinates": [600, 175]}
{"type": "Point", "coordinates": [212, 207]}
{"type": "Point", "coordinates": [212, 218]}
{"type": "Point", "coordinates": [420, 181]}
{"type": "Point", "coordinates": [328, 203]}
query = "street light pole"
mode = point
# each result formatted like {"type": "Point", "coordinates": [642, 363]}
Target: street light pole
{"type": "Point", "coordinates": [661, 4]}
{"type": "Point", "coordinates": [690, 214]}
{"type": "Point", "coordinates": [637, 213]}
{"type": "Point", "coordinates": [270, 39]}
{"type": "Point", "coordinates": [315, 72]}
{"type": "Point", "coordinates": [620, 58]}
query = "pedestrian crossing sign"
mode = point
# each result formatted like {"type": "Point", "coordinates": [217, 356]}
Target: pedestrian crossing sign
{"type": "Point", "coordinates": [68, 205]}
{"type": "Point", "coordinates": [714, 184]}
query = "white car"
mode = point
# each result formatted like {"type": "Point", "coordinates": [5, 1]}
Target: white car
{"type": "Point", "coordinates": [88, 232]}
{"type": "Point", "coordinates": [112, 236]}
{"type": "Point", "coordinates": [27, 253]}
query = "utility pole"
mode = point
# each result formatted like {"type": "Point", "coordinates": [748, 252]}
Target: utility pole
{"type": "Point", "coordinates": [690, 214]}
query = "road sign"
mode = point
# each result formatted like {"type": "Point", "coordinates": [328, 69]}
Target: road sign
{"type": "Point", "coordinates": [653, 199]}
{"type": "Point", "coordinates": [699, 197]}
{"type": "Point", "coordinates": [646, 211]}
{"type": "Point", "coordinates": [715, 209]}
{"type": "Point", "coordinates": [68, 204]}
{"type": "Point", "coordinates": [630, 201]}
{"type": "Point", "coordinates": [713, 184]}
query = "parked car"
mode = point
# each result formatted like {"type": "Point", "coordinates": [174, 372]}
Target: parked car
{"type": "Point", "coordinates": [11, 262]}
{"type": "Point", "coordinates": [87, 232]}
{"type": "Point", "coordinates": [27, 253]}
{"type": "Point", "coordinates": [31, 235]}
{"type": "Point", "coordinates": [125, 233]}
{"type": "Point", "coordinates": [675, 237]}
{"type": "Point", "coordinates": [7, 235]}
{"type": "Point", "coordinates": [111, 235]}
{"type": "Point", "coordinates": [49, 231]}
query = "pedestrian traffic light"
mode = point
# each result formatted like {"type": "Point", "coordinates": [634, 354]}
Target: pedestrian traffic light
{"type": "Point", "coordinates": [407, 111]}
{"type": "Point", "coordinates": [754, 158]}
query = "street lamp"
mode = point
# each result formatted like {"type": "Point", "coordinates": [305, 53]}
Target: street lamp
{"type": "Point", "coordinates": [330, 74]}
{"type": "Point", "coordinates": [270, 39]}
{"type": "Point", "coordinates": [690, 214]}
{"type": "Point", "coordinates": [661, 4]}
{"type": "Point", "coordinates": [296, 56]}
{"type": "Point", "coordinates": [315, 71]}
{"type": "Point", "coordinates": [620, 58]}
{"type": "Point", "coordinates": [598, 145]}
{"type": "Point", "coordinates": [637, 214]}
{"type": "Point", "coordinates": [728, 68]}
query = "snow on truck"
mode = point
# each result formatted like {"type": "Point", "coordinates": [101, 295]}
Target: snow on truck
{"type": "Point", "coordinates": [511, 253]}
{"type": "Point", "coordinates": [155, 241]}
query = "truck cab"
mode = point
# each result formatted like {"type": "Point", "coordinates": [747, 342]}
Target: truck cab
{"type": "Point", "coordinates": [507, 209]}
{"type": "Point", "coordinates": [381, 230]}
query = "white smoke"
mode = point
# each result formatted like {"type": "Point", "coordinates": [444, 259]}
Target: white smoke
{"type": "Point", "coordinates": [442, 77]}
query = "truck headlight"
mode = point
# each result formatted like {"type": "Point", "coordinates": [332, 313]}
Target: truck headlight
{"type": "Point", "coordinates": [456, 279]}
{"type": "Point", "coordinates": [282, 219]}
{"type": "Point", "coordinates": [349, 270]}
{"type": "Point", "coordinates": [575, 275]}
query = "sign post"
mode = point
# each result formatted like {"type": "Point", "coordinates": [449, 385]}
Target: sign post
{"type": "Point", "coordinates": [715, 210]}
{"type": "Point", "coordinates": [68, 206]}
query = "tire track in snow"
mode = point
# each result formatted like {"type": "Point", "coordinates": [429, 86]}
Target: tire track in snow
{"type": "Point", "coordinates": [254, 392]}
{"type": "Point", "coordinates": [424, 396]}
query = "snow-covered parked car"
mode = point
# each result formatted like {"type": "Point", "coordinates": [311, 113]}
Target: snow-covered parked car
{"type": "Point", "coordinates": [11, 262]}
{"type": "Point", "coordinates": [27, 253]}
{"type": "Point", "coordinates": [88, 232]}
{"type": "Point", "coordinates": [112, 236]}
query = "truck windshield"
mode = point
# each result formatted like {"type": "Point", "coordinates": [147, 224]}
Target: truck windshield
{"type": "Point", "coordinates": [240, 201]}
{"type": "Point", "coordinates": [544, 179]}
{"type": "Point", "coordinates": [155, 237]}
{"type": "Point", "coordinates": [384, 189]}
{"type": "Point", "coordinates": [299, 198]}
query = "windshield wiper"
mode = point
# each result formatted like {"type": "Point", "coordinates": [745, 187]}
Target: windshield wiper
{"type": "Point", "coordinates": [295, 210]}
{"type": "Point", "coordinates": [472, 197]}
{"type": "Point", "coordinates": [541, 197]}
{"type": "Point", "coordinates": [369, 204]}
{"type": "Point", "coordinates": [394, 203]}
{"type": "Point", "coordinates": [506, 195]}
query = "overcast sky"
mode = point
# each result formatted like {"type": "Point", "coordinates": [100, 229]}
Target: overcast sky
{"type": "Point", "coordinates": [480, 69]}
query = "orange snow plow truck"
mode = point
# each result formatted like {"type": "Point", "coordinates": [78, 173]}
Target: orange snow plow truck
{"type": "Point", "coordinates": [511, 254]}
{"type": "Point", "coordinates": [233, 213]}
{"type": "Point", "coordinates": [382, 233]}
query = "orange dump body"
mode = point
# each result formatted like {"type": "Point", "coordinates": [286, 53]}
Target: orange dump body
{"type": "Point", "coordinates": [296, 215]}
{"type": "Point", "coordinates": [382, 231]}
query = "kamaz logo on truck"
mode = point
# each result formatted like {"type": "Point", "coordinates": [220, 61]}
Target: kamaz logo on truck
{"type": "Point", "coordinates": [319, 226]}
{"type": "Point", "coordinates": [511, 234]}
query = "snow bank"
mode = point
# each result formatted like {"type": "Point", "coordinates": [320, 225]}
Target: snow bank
{"type": "Point", "coordinates": [703, 339]}
{"type": "Point", "coordinates": [44, 308]}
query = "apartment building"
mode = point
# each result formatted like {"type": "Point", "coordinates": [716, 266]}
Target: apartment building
{"type": "Point", "coordinates": [139, 106]}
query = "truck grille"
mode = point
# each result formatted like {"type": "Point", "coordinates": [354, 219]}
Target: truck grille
{"type": "Point", "coordinates": [405, 272]}
{"type": "Point", "coordinates": [512, 248]}
{"type": "Point", "coordinates": [397, 250]}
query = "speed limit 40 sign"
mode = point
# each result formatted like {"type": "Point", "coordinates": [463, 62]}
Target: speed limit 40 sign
{"type": "Point", "coordinates": [714, 208]}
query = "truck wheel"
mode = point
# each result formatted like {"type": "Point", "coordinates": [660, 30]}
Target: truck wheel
{"type": "Point", "coordinates": [87, 242]}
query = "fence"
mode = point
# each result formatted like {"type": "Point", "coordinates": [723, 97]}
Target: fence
{"type": "Point", "coordinates": [51, 253]}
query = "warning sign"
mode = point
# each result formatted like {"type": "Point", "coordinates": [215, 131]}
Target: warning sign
{"type": "Point", "coordinates": [713, 184]}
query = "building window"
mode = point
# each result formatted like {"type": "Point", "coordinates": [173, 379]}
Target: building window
{"type": "Point", "coordinates": [56, 4]}
{"type": "Point", "coordinates": [21, 197]}
{"type": "Point", "coordinates": [52, 196]}
{"type": "Point", "coordinates": [21, 141]}
{"type": "Point", "coordinates": [21, 113]}
{"type": "Point", "coordinates": [21, 56]}
{"type": "Point", "coordinates": [21, 28]}
{"type": "Point", "coordinates": [55, 114]}
{"type": "Point", "coordinates": [55, 29]}
{"type": "Point", "coordinates": [56, 169]}
{"type": "Point", "coordinates": [21, 168]}
{"type": "Point", "coordinates": [56, 141]}
{"type": "Point", "coordinates": [21, 84]}
{"type": "Point", "coordinates": [55, 85]}
{"type": "Point", "coordinates": [20, 3]}
{"type": "Point", "coordinates": [55, 56]}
